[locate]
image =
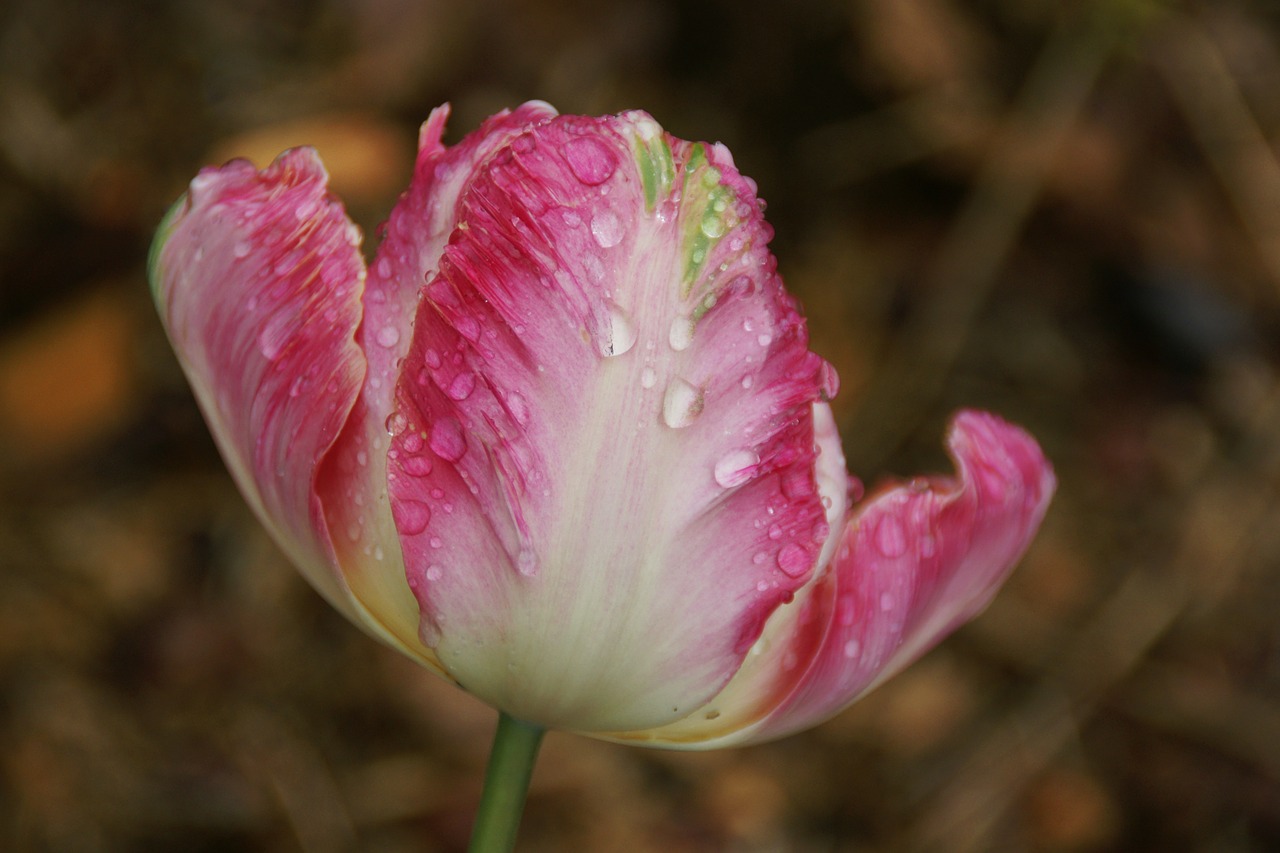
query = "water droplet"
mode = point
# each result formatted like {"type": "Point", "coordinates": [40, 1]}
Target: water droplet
{"type": "Point", "coordinates": [648, 377]}
{"type": "Point", "coordinates": [435, 542]}
{"type": "Point", "coordinates": [736, 468]}
{"type": "Point", "coordinates": [416, 466]}
{"type": "Point", "coordinates": [886, 602]}
{"type": "Point", "coordinates": [793, 559]}
{"type": "Point", "coordinates": [411, 516]}
{"type": "Point", "coordinates": [928, 545]}
{"type": "Point", "coordinates": [447, 440]}
{"type": "Point", "coordinates": [428, 632]}
{"type": "Point", "coordinates": [396, 423]}
{"type": "Point", "coordinates": [590, 160]}
{"type": "Point", "coordinates": [362, 458]}
{"type": "Point", "coordinates": [682, 404]}
{"type": "Point", "coordinates": [462, 386]}
{"type": "Point", "coordinates": [851, 648]}
{"type": "Point", "coordinates": [434, 573]}
{"type": "Point", "coordinates": [271, 342]}
{"type": "Point", "coordinates": [622, 332]}
{"type": "Point", "coordinates": [388, 336]}
{"type": "Point", "coordinates": [713, 226]}
{"type": "Point", "coordinates": [891, 540]}
{"type": "Point", "coordinates": [527, 562]}
{"type": "Point", "coordinates": [798, 484]}
{"type": "Point", "coordinates": [828, 381]}
{"type": "Point", "coordinates": [775, 531]}
{"type": "Point", "coordinates": [764, 339]}
{"type": "Point", "coordinates": [242, 249]}
{"type": "Point", "coordinates": [518, 407]}
{"type": "Point", "coordinates": [353, 532]}
{"type": "Point", "coordinates": [681, 334]}
{"type": "Point", "coordinates": [606, 227]}
{"type": "Point", "coordinates": [432, 358]}
{"type": "Point", "coordinates": [468, 327]}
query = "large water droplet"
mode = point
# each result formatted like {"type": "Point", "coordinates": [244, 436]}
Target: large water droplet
{"type": "Point", "coordinates": [518, 407]}
{"type": "Point", "coordinates": [527, 562]}
{"type": "Point", "coordinates": [461, 386]}
{"type": "Point", "coordinates": [396, 423]}
{"type": "Point", "coordinates": [681, 334]}
{"type": "Point", "coordinates": [713, 226]}
{"type": "Point", "coordinates": [891, 539]}
{"type": "Point", "coordinates": [411, 516]}
{"type": "Point", "coordinates": [682, 403]}
{"type": "Point", "coordinates": [447, 440]}
{"type": "Point", "coordinates": [416, 466]}
{"type": "Point", "coordinates": [434, 573]}
{"type": "Point", "coordinates": [468, 327]}
{"type": "Point", "coordinates": [622, 332]}
{"type": "Point", "coordinates": [736, 467]}
{"type": "Point", "coordinates": [388, 336]}
{"type": "Point", "coordinates": [606, 227]}
{"type": "Point", "coordinates": [793, 559]}
{"type": "Point", "coordinates": [590, 159]}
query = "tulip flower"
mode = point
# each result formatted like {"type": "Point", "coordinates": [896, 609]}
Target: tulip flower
{"type": "Point", "coordinates": [563, 441]}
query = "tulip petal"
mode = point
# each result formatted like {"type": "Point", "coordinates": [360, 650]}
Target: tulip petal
{"type": "Point", "coordinates": [257, 278]}
{"type": "Point", "coordinates": [603, 449]}
{"type": "Point", "coordinates": [913, 563]}
{"type": "Point", "coordinates": [353, 481]}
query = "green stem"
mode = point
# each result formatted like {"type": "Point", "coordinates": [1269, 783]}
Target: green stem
{"type": "Point", "coordinates": [506, 782]}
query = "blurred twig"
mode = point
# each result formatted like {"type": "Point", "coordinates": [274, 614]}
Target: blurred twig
{"type": "Point", "coordinates": [1236, 148]}
{"type": "Point", "coordinates": [981, 238]}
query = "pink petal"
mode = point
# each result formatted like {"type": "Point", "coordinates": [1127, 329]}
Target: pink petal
{"type": "Point", "coordinates": [913, 563]}
{"type": "Point", "coordinates": [353, 481]}
{"type": "Point", "coordinates": [604, 444]}
{"type": "Point", "coordinates": [257, 277]}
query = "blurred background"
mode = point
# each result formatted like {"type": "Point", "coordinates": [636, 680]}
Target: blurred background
{"type": "Point", "coordinates": [1068, 213]}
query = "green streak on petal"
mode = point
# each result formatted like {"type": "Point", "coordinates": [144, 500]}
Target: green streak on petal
{"type": "Point", "coordinates": [657, 169]}
{"type": "Point", "coordinates": [709, 215]}
{"type": "Point", "coordinates": [157, 246]}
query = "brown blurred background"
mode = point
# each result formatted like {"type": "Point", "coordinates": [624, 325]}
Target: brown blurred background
{"type": "Point", "coordinates": [1069, 217]}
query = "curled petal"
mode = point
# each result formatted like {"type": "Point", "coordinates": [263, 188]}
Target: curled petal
{"type": "Point", "coordinates": [257, 277]}
{"type": "Point", "coordinates": [913, 562]}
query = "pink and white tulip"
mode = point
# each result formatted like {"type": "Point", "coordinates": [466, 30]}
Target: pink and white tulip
{"type": "Point", "coordinates": [563, 441]}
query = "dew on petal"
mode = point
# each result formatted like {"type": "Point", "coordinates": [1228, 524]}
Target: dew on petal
{"type": "Point", "coordinates": [793, 559]}
{"type": "Point", "coordinates": [434, 573]}
{"type": "Point", "coordinates": [681, 334]}
{"type": "Point", "coordinates": [388, 336]}
{"type": "Point", "coordinates": [886, 602]}
{"type": "Point", "coordinates": [241, 249]}
{"type": "Point", "coordinates": [396, 423]}
{"type": "Point", "coordinates": [590, 160]}
{"type": "Point", "coordinates": [447, 440]}
{"type": "Point", "coordinates": [648, 377]}
{"type": "Point", "coordinates": [713, 226]}
{"type": "Point", "coordinates": [891, 539]}
{"type": "Point", "coordinates": [682, 404]}
{"type": "Point", "coordinates": [468, 327]}
{"type": "Point", "coordinates": [416, 466]}
{"type": "Point", "coordinates": [411, 516]}
{"type": "Point", "coordinates": [622, 332]}
{"type": "Point", "coordinates": [736, 468]}
{"type": "Point", "coordinates": [432, 358]}
{"type": "Point", "coordinates": [461, 386]}
{"type": "Point", "coordinates": [606, 227]}
{"type": "Point", "coordinates": [851, 648]}
{"type": "Point", "coordinates": [527, 562]}
{"type": "Point", "coordinates": [518, 407]}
